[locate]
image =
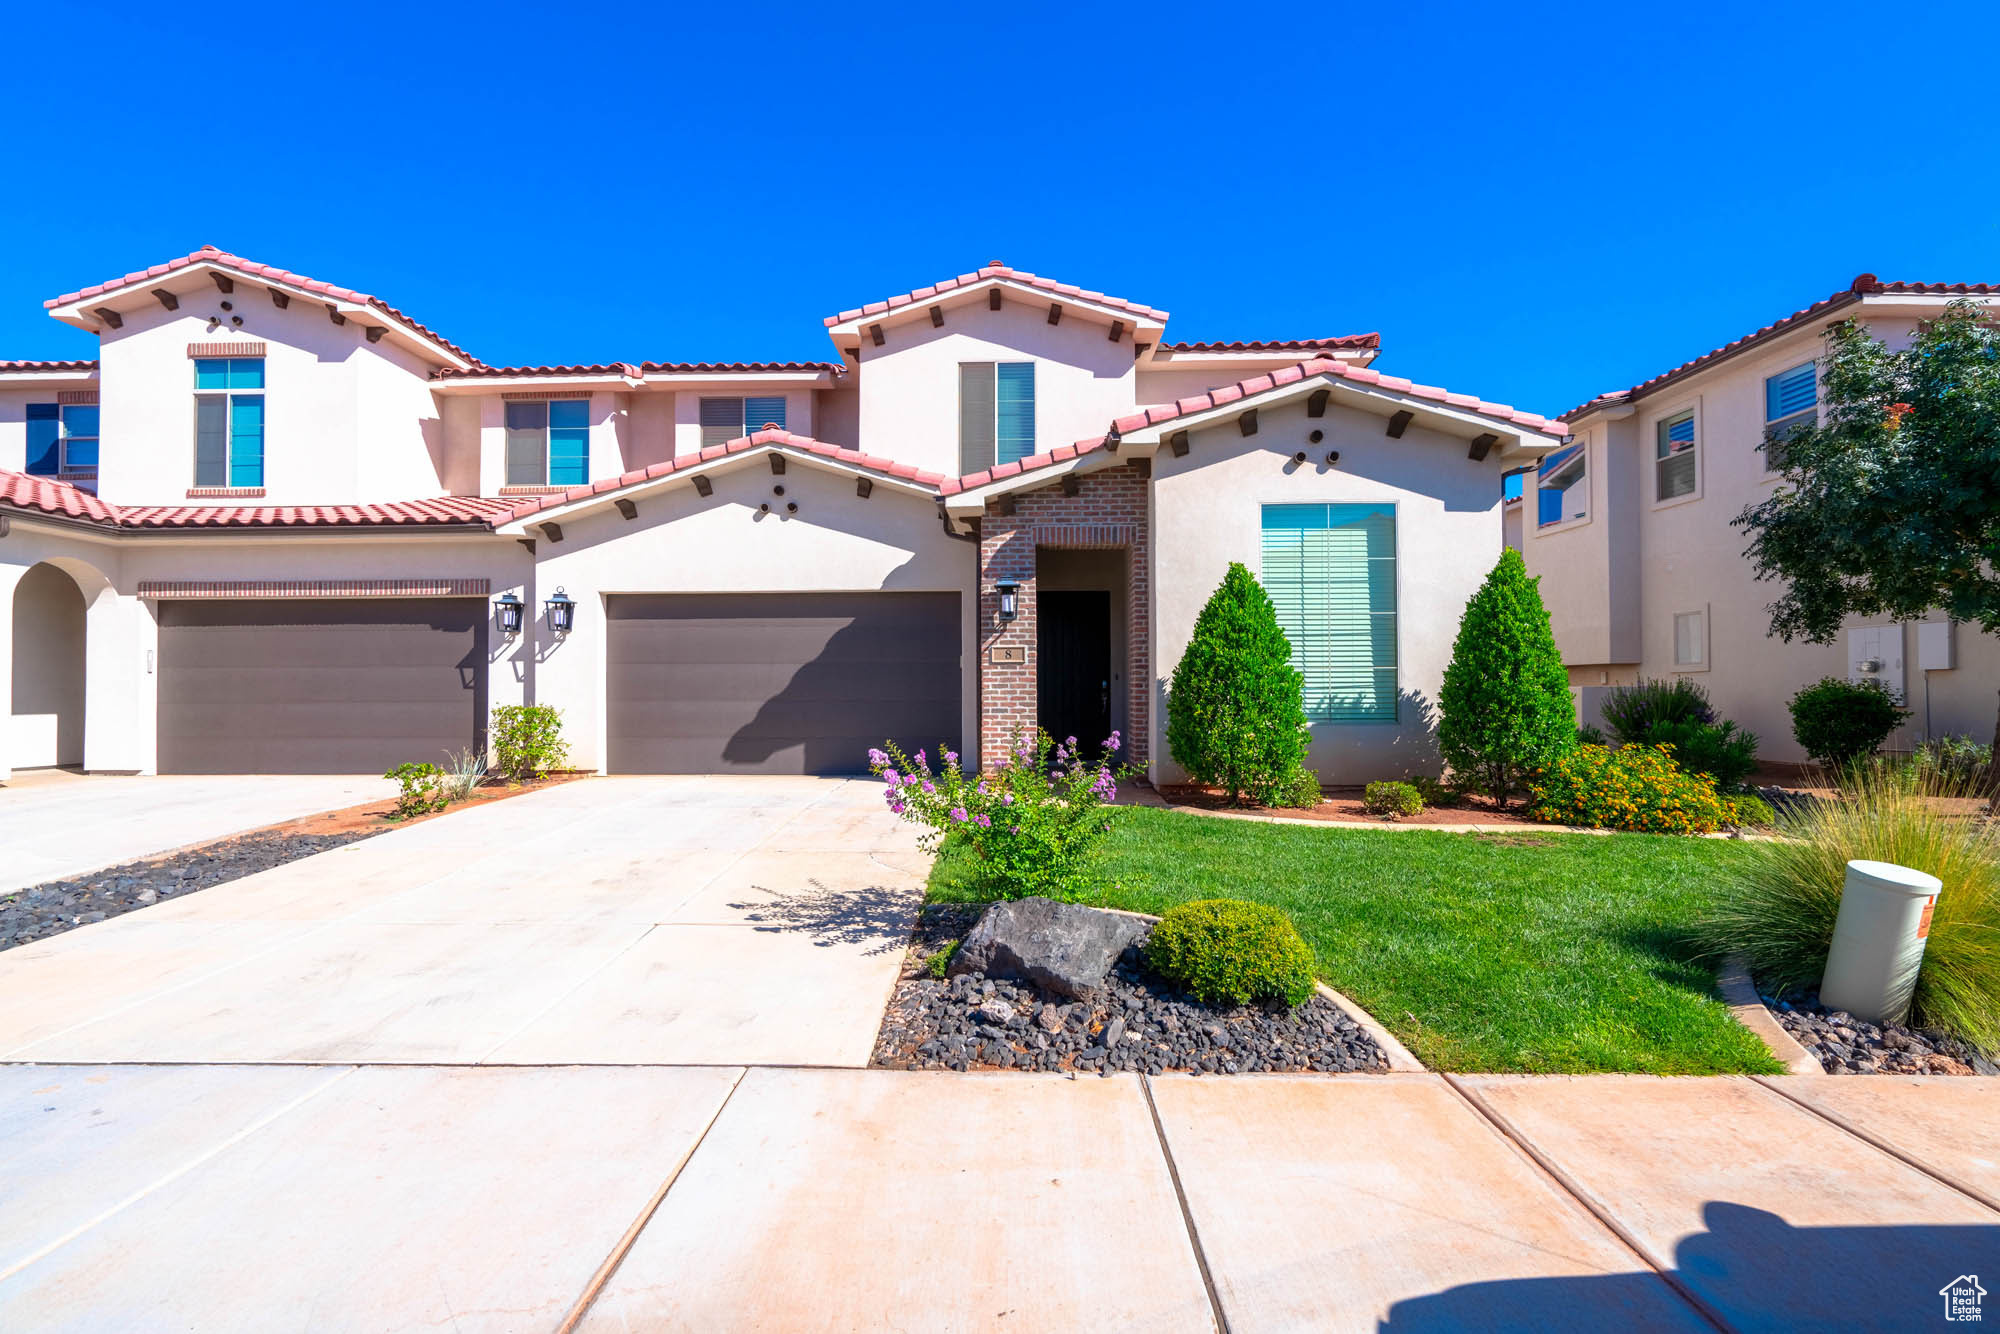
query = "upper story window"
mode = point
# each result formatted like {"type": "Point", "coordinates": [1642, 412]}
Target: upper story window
{"type": "Point", "coordinates": [548, 442]}
{"type": "Point", "coordinates": [726, 419]}
{"type": "Point", "coordinates": [1331, 573]}
{"type": "Point", "coordinates": [1562, 490]}
{"type": "Point", "coordinates": [62, 441]}
{"type": "Point", "coordinates": [996, 413]}
{"type": "Point", "coordinates": [229, 421]}
{"type": "Point", "coordinates": [1791, 400]}
{"type": "Point", "coordinates": [1674, 459]}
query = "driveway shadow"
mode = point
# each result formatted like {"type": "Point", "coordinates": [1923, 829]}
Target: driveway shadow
{"type": "Point", "coordinates": [876, 916]}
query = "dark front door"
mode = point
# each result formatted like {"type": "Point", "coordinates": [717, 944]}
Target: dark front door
{"type": "Point", "coordinates": [1074, 677]}
{"type": "Point", "coordinates": [779, 683]}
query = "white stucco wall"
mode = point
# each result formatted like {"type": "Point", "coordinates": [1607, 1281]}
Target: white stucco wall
{"type": "Point", "coordinates": [47, 696]}
{"type": "Point", "coordinates": [346, 421]}
{"type": "Point", "coordinates": [1614, 585]}
{"type": "Point", "coordinates": [1208, 512]}
{"type": "Point", "coordinates": [908, 407]}
{"type": "Point", "coordinates": [683, 543]}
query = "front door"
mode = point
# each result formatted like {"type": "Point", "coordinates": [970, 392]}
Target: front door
{"type": "Point", "coordinates": [1074, 675]}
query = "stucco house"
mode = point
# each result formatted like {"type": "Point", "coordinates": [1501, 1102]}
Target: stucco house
{"type": "Point", "coordinates": [1628, 526]}
{"type": "Point", "coordinates": [278, 525]}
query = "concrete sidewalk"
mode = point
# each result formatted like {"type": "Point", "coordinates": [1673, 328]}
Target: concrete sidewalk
{"type": "Point", "coordinates": [59, 825]}
{"type": "Point", "coordinates": [335, 1198]}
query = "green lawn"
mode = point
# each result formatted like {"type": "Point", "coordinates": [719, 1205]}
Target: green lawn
{"type": "Point", "coordinates": [1544, 952]}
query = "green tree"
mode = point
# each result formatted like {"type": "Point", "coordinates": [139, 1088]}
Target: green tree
{"type": "Point", "coordinates": [1505, 708]}
{"type": "Point", "coordinates": [1235, 713]}
{"type": "Point", "coordinates": [1891, 502]}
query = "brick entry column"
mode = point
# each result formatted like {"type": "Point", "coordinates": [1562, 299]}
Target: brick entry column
{"type": "Point", "coordinates": [1108, 512]}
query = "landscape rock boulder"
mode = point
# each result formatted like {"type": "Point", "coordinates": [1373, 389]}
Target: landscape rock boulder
{"type": "Point", "coordinates": [1064, 948]}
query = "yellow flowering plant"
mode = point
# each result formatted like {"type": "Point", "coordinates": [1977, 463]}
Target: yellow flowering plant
{"type": "Point", "coordinates": [1636, 788]}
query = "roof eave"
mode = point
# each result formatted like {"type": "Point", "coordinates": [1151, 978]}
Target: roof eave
{"type": "Point", "coordinates": [850, 331]}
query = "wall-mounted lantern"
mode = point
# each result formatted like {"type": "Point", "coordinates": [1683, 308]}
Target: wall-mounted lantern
{"type": "Point", "coordinates": [562, 612]}
{"type": "Point", "coordinates": [507, 608]}
{"type": "Point", "coordinates": [1009, 591]}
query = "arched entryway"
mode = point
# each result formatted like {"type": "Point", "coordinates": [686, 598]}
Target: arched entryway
{"type": "Point", "coordinates": [48, 691]}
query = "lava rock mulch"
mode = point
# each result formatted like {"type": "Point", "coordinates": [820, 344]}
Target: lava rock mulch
{"type": "Point", "coordinates": [1133, 1023]}
{"type": "Point", "coordinates": [1846, 1045]}
{"type": "Point", "coordinates": [40, 911]}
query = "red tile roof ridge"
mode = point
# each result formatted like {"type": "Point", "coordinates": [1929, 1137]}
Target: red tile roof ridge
{"type": "Point", "coordinates": [1864, 285]}
{"type": "Point", "coordinates": [250, 268]}
{"type": "Point", "coordinates": [850, 458]}
{"type": "Point", "coordinates": [1159, 414]}
{"type": "Point", "coordinates": [1278, 344]}
{"type": "Point", "coordinates": [992, 271]}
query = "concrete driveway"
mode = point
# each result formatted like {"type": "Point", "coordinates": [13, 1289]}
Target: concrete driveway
{"type": "Point", "coordinates": [608, 921]}
{"type": "Point", "coordinates": [57, 825]}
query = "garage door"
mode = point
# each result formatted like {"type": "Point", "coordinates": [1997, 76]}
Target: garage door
{"type": "Point", "coordinates": [334, 686]}
{"type": "Point", "coordinates": [783, 683]}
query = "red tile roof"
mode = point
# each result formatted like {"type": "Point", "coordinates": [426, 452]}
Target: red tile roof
{"type": "Point", "coordinates": [1280, 344]}
{"type": "Point", "coordinates": [853, 459]}
{"type": "Point", "coordinates": [636, 369]}
{"type": "Point", "coordinates": [58, 498]}
{"type": "Point", "coordinates": [1244, 389]}
{"type": "Point", "coordinates": [6, 366]}
{"type": "Point", "coordinates": [250, 268]}
{"type": "Point", "coordinates": [53, 497]}
{"type": "Point", "coordinates": [994, 270]}
{"type": "Point", "coordinates": [1864, 285]}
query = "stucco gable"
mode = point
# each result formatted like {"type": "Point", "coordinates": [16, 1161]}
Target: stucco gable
{"type": "Point", "coordinates": [848, 328]}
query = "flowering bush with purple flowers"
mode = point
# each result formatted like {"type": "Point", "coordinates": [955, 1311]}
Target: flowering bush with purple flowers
{"type": "Point", "coordinates": [1031, 822]}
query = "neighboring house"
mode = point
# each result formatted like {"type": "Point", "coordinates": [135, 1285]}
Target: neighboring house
{"type": "Point", "coordinates": [280, 526]}
{"type": "Point", "coordinates": [1628, 526]}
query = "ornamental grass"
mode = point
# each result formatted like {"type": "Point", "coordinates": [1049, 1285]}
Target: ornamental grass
{"type": "Point", "coordinates": [1777, 904]}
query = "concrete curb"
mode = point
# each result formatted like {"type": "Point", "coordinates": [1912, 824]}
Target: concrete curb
{"type": "Point", "coordinates": [1401, 1061]}
{"type": "Point", "coordinates": [1739, 993]}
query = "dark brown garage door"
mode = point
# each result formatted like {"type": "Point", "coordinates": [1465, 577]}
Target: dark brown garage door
{"type": "Point", "coordinates": [340, 686]}
{"type": "Point", "coordinates": [782, 683]}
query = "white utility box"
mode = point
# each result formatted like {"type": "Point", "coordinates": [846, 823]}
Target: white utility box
{"type": "Point", "coordinates": [1934, 646]}
{"type": "Point", "coordinates": [1878, 940]}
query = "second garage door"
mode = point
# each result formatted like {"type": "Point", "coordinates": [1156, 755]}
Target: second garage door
{"type": "Point", "coordinates": [329, 686]}
{"type": "Point", "coordinates": [792, 683]}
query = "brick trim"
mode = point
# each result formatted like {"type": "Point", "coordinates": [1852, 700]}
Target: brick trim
{"type": "Point", "coordinates": [532, 490]}
{"type": "Point", "coordinates": [69, 396]}
{"type": "Point", "coordinates": [314, 588]}
{"type": "Point", "coordinates": [542, 395]}
{"type": "Point", "coordinates": [229, 349]}
{"type": "Point", "coordinates": [225, 493]}
{"type": "Point", "coordinates": [1075, 536]}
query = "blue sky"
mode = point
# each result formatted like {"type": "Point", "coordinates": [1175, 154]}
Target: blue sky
{"type": "Point", "coordinates": [1528, 206]}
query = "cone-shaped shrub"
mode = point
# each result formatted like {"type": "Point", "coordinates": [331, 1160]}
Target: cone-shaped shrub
{"type": "Point", "coordinates": [1235, 716]}
{"type": "Point", "coordinates": [1505, 708]}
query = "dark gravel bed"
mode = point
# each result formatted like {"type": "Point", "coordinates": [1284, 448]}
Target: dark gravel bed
{"type": "Point", "coordinates": [40, 911]}
{"type": "Point", "coordinates": [1135, 1023]}
{"type": "Point", "coordinates": [1845, 1045]}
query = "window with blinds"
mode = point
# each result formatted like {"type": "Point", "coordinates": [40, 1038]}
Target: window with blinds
{"type": "Point", "coordinates": [1791, 400]}
{"type": "Point", "coordinates": [548, 442]}
{"type": "Point", "coordinates": [996, 413]}
{"type": "Point", "coordinates": [228, 423]}
{"type": "Point", "coordinates": [1331, 572]}
{"type": "Point", "coordinates": [726, 419]}
{"type": "Point", "coordinates": [1674, 463]}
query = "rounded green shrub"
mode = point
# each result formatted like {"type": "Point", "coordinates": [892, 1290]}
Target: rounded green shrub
{"type": "Point", "coordinates": [1634, 788]}
{"type": "Point", "coordinates": [1300, 791]}
{"type": "Point", "coordinates": [1839, 722]}
{"type": "Point", "coordinates": [1397, 800]}
{"type": "Point", "coordinates": [1719, 750]}
{"type": "Point", "coordinates": [1226, 951]}
{"type": "Point", "coordinates": [1504, 709]}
